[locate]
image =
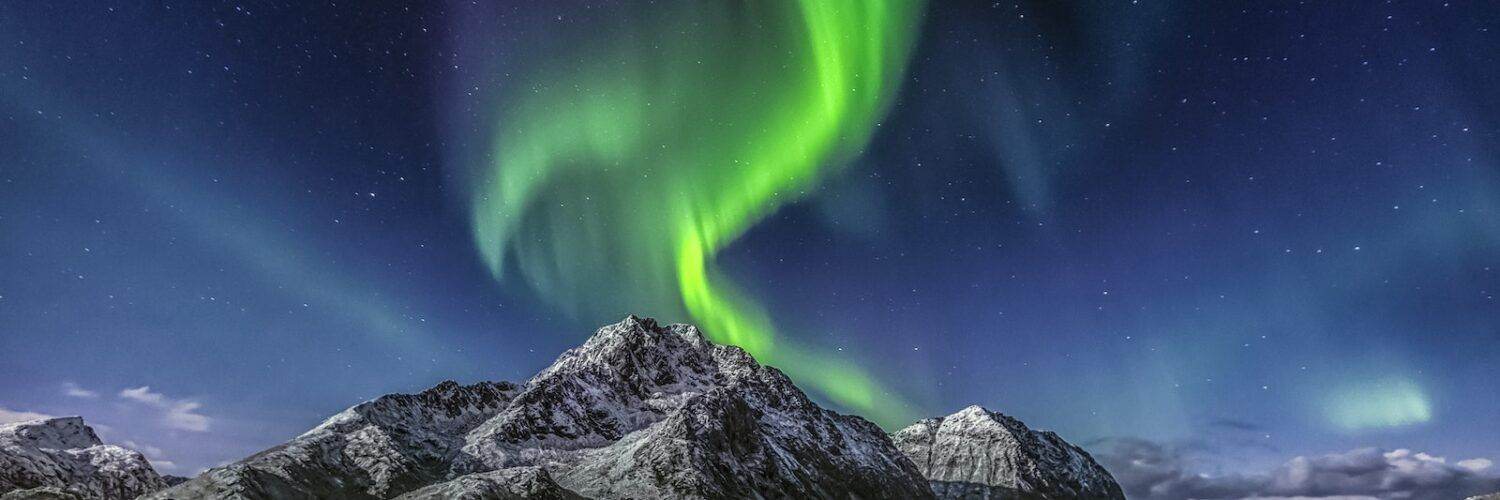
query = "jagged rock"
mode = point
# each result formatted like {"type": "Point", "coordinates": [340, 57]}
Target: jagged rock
{"type": "Point", "coordinates": [516, 483]}
{"type": "Point", "coordinates": [976, 453]}
{"type": "Point", "coordinates": [646, 411]}
{"type": "Point", "coordinates": [638, 411]}
{"type": "Point", "coordinates": [377, 449]}
{"type": "Point", "coordinates": [42, 493]}
{"type": "Point", "coordinates": [55, 457]}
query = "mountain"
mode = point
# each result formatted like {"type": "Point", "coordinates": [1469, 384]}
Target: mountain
{"type": "Point", "coordinates": [977, 453]}
{"type": "Point", "coordinates": [376, 449]}
{"type": "Point", "coordinates": [638, 411]}
{"type": "Point", "coordinates": [63, 458]}
{"type": "Point", "coordinates": [515, 483]}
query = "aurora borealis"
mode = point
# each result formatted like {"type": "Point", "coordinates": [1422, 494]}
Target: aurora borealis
{"type": "Point", "coordinates": [615, 181]}
{"type": "Point", "coordinates": [1222, 237]}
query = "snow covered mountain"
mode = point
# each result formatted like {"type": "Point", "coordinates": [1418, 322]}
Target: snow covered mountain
{"type": "Point", "coordinates": [376, 449]}
{"type": "Point", "coordinates": [976, 453]}
{"type": "Point", "coordinates": [642, 410]}
{"type": "Point", "coordinates": [638, 411]}
{"type": "Point", "coordinates": [63, 458]}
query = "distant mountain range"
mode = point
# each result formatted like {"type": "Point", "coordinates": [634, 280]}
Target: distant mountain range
{"type": "Point", "coordinates": [640, 410]}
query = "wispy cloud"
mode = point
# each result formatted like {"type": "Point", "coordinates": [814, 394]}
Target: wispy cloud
{"type": "Point", "coordinates": [8, 415]}
{"type": "Point", "coordinates": [73, 390]}
{"type": "Point", "coordinates": [1235, 424]}
{"type": "Point", "coordinates": [1150, 470]}
{"type": "Point", "coordinates": [152, 453]}
{"type": "Point", "coordinates": [180, 414]}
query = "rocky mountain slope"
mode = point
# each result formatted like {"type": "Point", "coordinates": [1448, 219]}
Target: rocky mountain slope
{"type": "Point", "coordinates": [976, 453]}
{"type": "Point", "coordinates": [376, 449]}
{"type": "Point", "coordinates": [63, 458]}
{"type": "Point", "coordinates": [639, 411]}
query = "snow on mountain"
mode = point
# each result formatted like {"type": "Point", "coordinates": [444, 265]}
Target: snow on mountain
{"type": "Point", "coordinates": [642, 410]}
{"type": "Point", "coordinates": [62, 457]}
{"type": "Point", "coordinates": [976, 453]}
{"type": "Point", "coordinates": [376, 449]}
{"type": "Point", "coordinates": [515, 483]}
{"type": "Point", "coordinates": [639, 410]}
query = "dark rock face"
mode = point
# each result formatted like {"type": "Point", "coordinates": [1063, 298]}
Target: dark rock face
{"type": "Point", "coordinates": [645, 411]}
{"type": "Point", "coordinates": [64, 458]}
{"type": "Point", "coordinates": [516, 483]}
{"type": "Point", "coordinates": [376, 449]}
{"type": "Point", "coordinates": [42, 493]}
{"type": "Point", "coordinates": [639, 411]}
{"type": "Point", "coordinates": [976, 453]}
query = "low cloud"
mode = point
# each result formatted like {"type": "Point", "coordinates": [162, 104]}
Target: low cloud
{"type": "Point", "coordinates": [1238, 425]}
{"type": "Point", "coordinates": [1150, 470]}
{"type": "Point", "coordinates": [180, 414]}
{"type": "Point", "coordinates": [8, 415]}
{"type": "Point", "coordinates": [1475, 464]}
{"type": "Point", "coordinates": [73, 390]}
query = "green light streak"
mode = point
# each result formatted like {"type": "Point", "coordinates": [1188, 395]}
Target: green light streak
{"type": "Point", "coordinates": [624, 163]}
{"type": "Point", "coordinates": [1379, 404]}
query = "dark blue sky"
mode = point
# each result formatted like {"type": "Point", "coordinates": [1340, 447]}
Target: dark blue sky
{"type": "Point", "coordinates": [1255, 231]}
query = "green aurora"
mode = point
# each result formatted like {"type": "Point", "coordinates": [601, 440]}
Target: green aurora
{"type": "Point", "coordinates": [627, 160]}
{"type": "Point", "coordinates": [1378, 403]}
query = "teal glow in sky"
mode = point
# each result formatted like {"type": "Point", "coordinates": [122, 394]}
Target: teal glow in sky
{"type": "Point", "coordinates": [1376, 404]}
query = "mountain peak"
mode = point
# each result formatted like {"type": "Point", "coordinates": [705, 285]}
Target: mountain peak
{"type": "Point", "coordinates": [976, 452]}
{"type": "Point", "coordinates": [57, 433]}
{"type": "Point", "coordinates": [975, 415]}
{"type": "Point", "coordinates": [63, 454]}
{"type": "Point", "coordinates": [640, 410]}
{"type": "Point", "coordinates": [641, 353]}
{"type": "Point", "coordinates": [636, 329]}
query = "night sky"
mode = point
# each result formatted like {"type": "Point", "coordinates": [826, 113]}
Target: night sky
{"type": "Point", "coordinates": [1230, 234]}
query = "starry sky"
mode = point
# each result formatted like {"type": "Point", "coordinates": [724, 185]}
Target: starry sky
{"type": "Point", "coordinates": [1242, 233]}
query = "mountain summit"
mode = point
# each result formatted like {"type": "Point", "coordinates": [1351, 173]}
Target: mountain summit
{"type": "Point", "coordinates": [640, 410]}
{"type": "Point", "coordinates": [977, 453]}
{"type": "Point", "coordinates": [63, 458]}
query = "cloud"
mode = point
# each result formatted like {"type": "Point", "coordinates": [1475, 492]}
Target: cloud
{"type": "Point", "coordinates": [8, 416]}
{"type": "Point", "coordinates": [145, 449]}
{"type": "Point", "coordinates": [152, 453]}
{"type": "Point", "coordinates": [75, 391]}
{"type": "Point", "coordinates": [1150, 470]}
{"type": "Point", "coordinates": [1475, 464]}
{"type": "Point", "coordinates": [1238, 425]}
{"type": "Point", "coordinates": [180, 414]}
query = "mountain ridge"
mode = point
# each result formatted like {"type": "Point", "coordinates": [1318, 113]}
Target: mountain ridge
{"type": "Point", "coordinates": [640, 410]}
